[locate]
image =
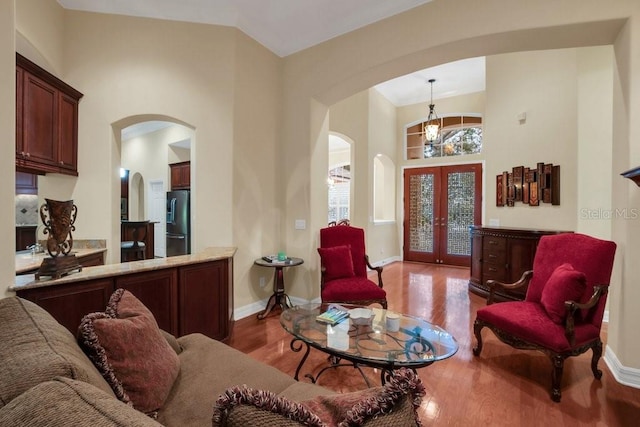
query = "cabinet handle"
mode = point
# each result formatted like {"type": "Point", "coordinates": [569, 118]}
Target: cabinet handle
{"type": "Point", "coordinates": [492, 269]}
{"type": "Point", "coordinates": [61, 163]}
{"type": "Point", "coordinates": [493, 242]}
{"type": "Point", "coordinates": [493, 256]}
{"type": "Point", "coordinates": [27, 155]}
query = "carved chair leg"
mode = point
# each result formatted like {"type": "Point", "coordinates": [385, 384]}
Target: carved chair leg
{"type": "Point", "coordinates": [597, 353]}
{"type": "Point", "coordinates": [556, 376]}
{"type": "Point", "coordinates": [477, 328]}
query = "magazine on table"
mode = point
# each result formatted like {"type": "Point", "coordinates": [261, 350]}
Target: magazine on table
{"type": "Point", "coordinates": [334, 315]}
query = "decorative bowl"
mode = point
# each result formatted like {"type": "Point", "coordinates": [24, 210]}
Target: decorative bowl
{"type": "Point", "coordinates": [361, 316]}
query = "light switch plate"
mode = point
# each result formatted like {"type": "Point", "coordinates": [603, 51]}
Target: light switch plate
{"type": "Point", "coordinates": [301, 224]}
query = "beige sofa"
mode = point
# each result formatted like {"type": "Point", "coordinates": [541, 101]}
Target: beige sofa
{"type": "Point", "coordinates": [47, 380]}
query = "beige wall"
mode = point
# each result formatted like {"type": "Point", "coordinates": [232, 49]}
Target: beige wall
{"type": "Point", "coordinates": [119, 63]}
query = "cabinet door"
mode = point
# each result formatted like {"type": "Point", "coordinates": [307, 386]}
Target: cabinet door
{"type": "Point", "coordinates": [69, 303]}
{"type": "Point", "coordinates": [67, 132]}
{"type": "Point", "coordinates": [204, 295]}
{"type": "Point", "coordinates": [180, 176]}
{"type": "Point", "coordinates": [39, 128]}
{"type": "Point", "coordinates": [19, 108]}
{"type": "Point", "coordinates": [158, 291]}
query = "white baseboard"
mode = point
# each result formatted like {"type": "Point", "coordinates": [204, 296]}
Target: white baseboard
{"type": "Point", "coordinates": [386, 261]}
{"type": "Point", "coordinates": [622, 374]}
{"type": "Point", "coordinates": [257, 307]}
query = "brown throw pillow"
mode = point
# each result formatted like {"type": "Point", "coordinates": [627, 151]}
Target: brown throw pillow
{"type": "Point", "coordinates": [130, 352]}
{"type": "Point", "coordinates": [396, 402]}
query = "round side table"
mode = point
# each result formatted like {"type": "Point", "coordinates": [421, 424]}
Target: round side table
{"type": "Point", "coordinates": [279, 296]}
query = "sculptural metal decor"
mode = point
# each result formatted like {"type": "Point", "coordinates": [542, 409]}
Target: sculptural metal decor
{"type": "Point", "coordinates": [59, 225]}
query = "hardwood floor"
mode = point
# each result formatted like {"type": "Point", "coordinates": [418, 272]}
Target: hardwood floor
{"type": "Point", "coordinates": [502, 387]}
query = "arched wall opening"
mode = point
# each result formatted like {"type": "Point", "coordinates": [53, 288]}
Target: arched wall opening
{"type": "Point", "coordinates": [146, 145]}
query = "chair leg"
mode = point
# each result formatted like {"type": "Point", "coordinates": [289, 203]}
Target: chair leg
{"type": "Point", "coordinates": [477, 328]}
{"type": "Point", "coordinates": [556, 376]}
{"type": "Point", "coordinates": [597, 353]}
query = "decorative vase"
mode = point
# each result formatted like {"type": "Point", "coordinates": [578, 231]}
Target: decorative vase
{"type": "Point", "coordinates": [59, 225]}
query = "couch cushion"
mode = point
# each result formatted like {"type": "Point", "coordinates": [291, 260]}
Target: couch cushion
{"type": "Point", "coordinates": [207, 368]}
{"type": "Point", "coordinates": [129, 349]}
{"type": "Point", "coordinates": [564, 284]}
{"type": "Point", "coordinates": [34, 348]}
{"type": "Point", "coordinates": [337, 262]}
{"type": "Point", "coordinates": [393, 404]}
{"type": "Point", "coordinates": [63, 402]}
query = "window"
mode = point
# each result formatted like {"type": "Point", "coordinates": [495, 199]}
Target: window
{"type": "Point", "coordinates": [339, 192]}
{"type": "Point", "coordinates": [459, 135]}
{"type": "Point", "coordinates": [339, 178]}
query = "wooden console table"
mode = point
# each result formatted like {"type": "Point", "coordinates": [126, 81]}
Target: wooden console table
{"type": "Point", "coordinates": [502, 254]}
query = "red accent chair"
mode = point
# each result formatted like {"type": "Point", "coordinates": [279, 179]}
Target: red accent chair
{"type": "Point", "coordinates": [343, 267]}
{"type": "Point", "coordinates": [561, 314]}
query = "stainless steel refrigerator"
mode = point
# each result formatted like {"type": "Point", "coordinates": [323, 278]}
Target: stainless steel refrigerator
{"type": "Point", "coordinates": [178, 223]}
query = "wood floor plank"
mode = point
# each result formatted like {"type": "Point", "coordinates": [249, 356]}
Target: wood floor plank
{"type": "Point", "coordinates": [501, 387]}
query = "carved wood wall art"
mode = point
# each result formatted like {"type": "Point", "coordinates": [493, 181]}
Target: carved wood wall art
{"type": "Point", "coordinates": [529, 185]}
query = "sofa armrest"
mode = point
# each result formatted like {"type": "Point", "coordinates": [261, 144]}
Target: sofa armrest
{"type": "Point", "coordinates": [62, 402]}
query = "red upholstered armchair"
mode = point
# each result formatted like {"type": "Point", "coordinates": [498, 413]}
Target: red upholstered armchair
{"type": "Point", "coordinates": [343, 268]}
{"type": "Point", "coordinates": [562, 312]}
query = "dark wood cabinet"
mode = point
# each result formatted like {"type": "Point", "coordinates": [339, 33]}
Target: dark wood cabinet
{"type": "Point", "coordinates": [158, 291]}
{"type": "Point", "coordinates": [183, 299]}
{"type": "Point", "coordinates": [205, 282]}
{"type": "Point", "coordinates": [68, 303]}
{"type": "Point", "coordinates": [180, 176]}
{"type": "Point", "coordinates": [25, 236]}
{"type": "Point", "coordinates": [502, 254]}
{"type": "Point", "coordinates": [46, 121]}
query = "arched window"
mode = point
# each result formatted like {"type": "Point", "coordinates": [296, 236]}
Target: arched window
{"type": "Point", "coordinates": [459, 135]}
{"type": "Point", "coordinates": [339, 179]}
{"type": "Point", "coordinates": [384, 189]}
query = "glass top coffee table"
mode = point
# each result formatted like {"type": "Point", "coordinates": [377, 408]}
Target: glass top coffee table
{"type": "Point", "coordinates": [385, 339]}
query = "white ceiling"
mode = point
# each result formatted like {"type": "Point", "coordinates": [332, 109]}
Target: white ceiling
{"type": "Point", "coordinates": [288, 26]}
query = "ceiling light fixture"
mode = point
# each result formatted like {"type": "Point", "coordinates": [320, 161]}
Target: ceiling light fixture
{"type": "Point", "coordinates": [432, 125]}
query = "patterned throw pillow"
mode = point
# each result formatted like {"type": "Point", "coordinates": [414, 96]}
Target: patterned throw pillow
{"type": "Point", "coordinates": [129, 350]}
{"type": "Point", "coordinates": [394, 404]}
{"type": "Point", "coordinates": [337, 262]}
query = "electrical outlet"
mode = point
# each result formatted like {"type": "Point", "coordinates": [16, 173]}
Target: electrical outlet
{"type": "Point", "coordinates": [263, 282]}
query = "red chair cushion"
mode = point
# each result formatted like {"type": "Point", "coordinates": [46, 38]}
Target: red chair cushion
{"type": "Point", "coordinates": [530, 322]}
{"type": "Point", "coordinates": [352, 289]}
{"type": "Point", "coordinates": [565, 284]}
{"type": "Point", "coordinates": [337, 262]}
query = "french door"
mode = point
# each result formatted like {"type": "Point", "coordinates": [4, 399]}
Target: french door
{"type": "Point", "coordinates": [440, 203]}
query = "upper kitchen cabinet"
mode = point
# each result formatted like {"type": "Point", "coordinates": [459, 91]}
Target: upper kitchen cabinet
{"type": "Point", "coordinates": [180, 176]}
{"type": "Point", "coordinates": [46, 121]}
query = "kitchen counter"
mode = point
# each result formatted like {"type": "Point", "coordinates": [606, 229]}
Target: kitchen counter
{"type": "Point", "coordinates": [28, 262]}
{"type": "Point", "coordinates": [28, 281]}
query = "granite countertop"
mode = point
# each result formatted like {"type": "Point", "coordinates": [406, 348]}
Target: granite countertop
{"type": "Point", "coordinates": [28, 262]}
{"type": "Point", "coordinates": [28, 281]}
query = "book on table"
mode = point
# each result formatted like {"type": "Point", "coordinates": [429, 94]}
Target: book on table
{"type": "Point", "coordinates": [334, 315]}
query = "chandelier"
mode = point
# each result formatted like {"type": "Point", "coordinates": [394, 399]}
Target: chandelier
{"type": "Point", "coordinates": [432, 125]}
